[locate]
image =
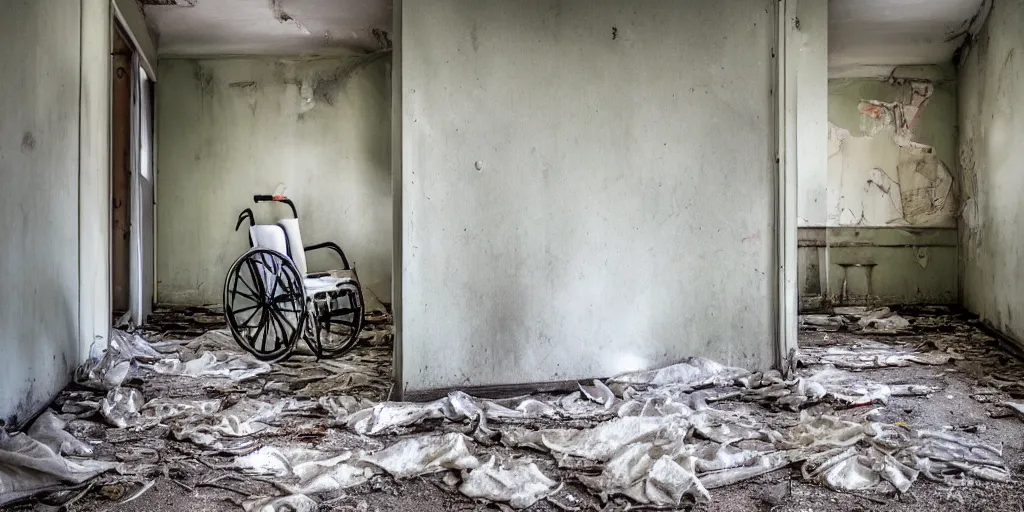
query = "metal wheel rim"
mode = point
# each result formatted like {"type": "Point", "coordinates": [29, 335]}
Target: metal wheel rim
{"type": "Point", "coordinates": [264, 285]}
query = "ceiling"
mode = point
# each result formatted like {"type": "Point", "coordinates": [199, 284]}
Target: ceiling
{"type": "Point", "coordinates": [900, 32]}
{"type": "Point", "coordinates": [268, 27]}
{"type": "Point", "coordinates": [861, 32]}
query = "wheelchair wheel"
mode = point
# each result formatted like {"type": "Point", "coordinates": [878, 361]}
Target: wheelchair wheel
{"type": "Point", "coordinates": [338, 329]}
{"type": "Point", "coordinates": [265, 304]}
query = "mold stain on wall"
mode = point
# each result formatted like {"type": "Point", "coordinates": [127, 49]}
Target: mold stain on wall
{"type": "Point", "coordinates": [319, 85]}
{"type": "Point", "coordinates": [880, 172]}
{"type": "Point", "coordinates": [991, 78]}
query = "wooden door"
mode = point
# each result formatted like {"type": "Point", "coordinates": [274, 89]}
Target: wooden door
{"type": "Point", "coordinates": [120, 173]}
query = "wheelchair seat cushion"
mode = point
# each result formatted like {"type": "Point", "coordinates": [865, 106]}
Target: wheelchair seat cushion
{"type": "Point", "coordinates": [327, 281]}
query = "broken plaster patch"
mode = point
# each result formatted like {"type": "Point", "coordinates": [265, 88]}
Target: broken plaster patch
{"type": "Point", "coordinates": [282, 16]}
{"type": "Point", "coordinates": [876, 116]}
{"type": "Point", "coordinates": [884, 177]}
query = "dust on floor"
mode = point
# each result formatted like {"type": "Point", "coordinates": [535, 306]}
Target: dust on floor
{"type": "Point", "coordinates": [195, 425]}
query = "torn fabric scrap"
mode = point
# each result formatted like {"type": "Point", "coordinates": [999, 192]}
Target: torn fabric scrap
{"type": "Point", "coordinates": [215, 365]}
{"type": "Point", "coordinates": [306, 471]}
{"type": "Point", "coordinates": [291, 503]}
{"type": "Point", "coordinates": [424, 454]}
{"type": "Point", "coordinates": [520, 484]}
{"type": "Point", "coordinates": [28, 466]}
{"type": "Point", "coordinates": [121, 407]}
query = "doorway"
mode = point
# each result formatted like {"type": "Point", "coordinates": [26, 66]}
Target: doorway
{"type": "Point", "coordinates": [132, 185]}
{"type": "Point", "coordinates": [120, 174]}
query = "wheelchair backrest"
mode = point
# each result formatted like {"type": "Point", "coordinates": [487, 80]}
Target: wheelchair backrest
{"type": "Point", "coordinates": [294, 237]}
{"type": "Point", "coordinates": [283, 237]}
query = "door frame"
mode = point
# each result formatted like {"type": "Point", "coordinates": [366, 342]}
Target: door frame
{"type": "Point", "coordinates": [787, 295]}
{"type": "Point", "coordinates": [141, 294]}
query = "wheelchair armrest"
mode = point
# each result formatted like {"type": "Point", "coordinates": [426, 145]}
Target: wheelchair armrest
{"type": "Point", "coordinates": [332, 246]}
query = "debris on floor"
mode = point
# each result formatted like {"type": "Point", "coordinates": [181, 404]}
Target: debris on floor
{"type": "Point", "coordinates": [191, 411]}
{"type": "Point", "coordinates": [42, 459]}
{"type": "Point", "coordinates": [877, 321]}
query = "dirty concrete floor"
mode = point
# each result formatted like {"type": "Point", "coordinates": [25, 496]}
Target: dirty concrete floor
{"type": "Point", "coordinates": [188, 477]}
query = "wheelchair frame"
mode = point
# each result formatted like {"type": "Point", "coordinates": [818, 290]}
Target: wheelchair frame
{"type": "Point", "coordinates": [265, 285]}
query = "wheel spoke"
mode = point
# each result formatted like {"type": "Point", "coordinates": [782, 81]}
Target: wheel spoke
{"type": "Point", "coordinates": [247, 296]}
{"type": "Point", "coordinates": [252, 274]}
{"type": "Point", "coordinates": [285, 298]}
{"type": "Point", "coordinates": [283, 333]}
{"type": "Point", "coordinates": [243, 310]}
{"type": "Point", "coordinates": [273, 291]}
{"type": "Point", "coordinates": [265, 261]}
{"type": "Point", "coordinates": [282, 319]}
{"type": "Point", "coordinates": [276, 334]}
{"type": "Point", "coordinates": [262, 327]}
{"type": "Point", "coordinates": [295, 296]}
{"type": "Point", "coordinates": [247, 320]}
{"type": "Point", "coordinates": [237, 293]}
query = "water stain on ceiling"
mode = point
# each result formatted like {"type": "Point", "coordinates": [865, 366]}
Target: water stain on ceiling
{"type": "Point", "coordinates": [900, 32]}
{"type": "Point", "coordinates": [268, 27]}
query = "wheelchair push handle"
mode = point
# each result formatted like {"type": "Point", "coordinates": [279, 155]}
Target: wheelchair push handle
{"type": "Point", "coordinates": [260, 198]}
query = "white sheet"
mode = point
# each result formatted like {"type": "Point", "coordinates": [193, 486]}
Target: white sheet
{"type": "Point", "coordinates": [294, 239]}
{"type": "Point", "coordinates": [269, 236]}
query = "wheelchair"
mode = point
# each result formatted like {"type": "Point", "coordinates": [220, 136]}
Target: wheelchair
{"type": "Point", "coordinates": [270, 300]}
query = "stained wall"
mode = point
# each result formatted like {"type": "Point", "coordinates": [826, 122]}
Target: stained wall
{"type": "Point", "coordinates": [231, 128]}
{"type": "Point", "coordinates": [569, 208]}
{"type": "Point", "coordinates": [991, 138]}
{"type": "Point", "coordinates": [887, 233]}
{"type": "Point", "coordinates": [39, 169]}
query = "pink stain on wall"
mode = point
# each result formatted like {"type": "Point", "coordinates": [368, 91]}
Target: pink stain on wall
{"type": "Point", "coordinates": [873, 111]}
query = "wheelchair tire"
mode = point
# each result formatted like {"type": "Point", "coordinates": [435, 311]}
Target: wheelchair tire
{"type": "Point", "coordinates": [338, 330]}
{"type": "Point", "coordinates": [265, 304]}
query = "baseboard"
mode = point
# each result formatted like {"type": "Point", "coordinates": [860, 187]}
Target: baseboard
{"type": "Point", "coordinates": [1008, 342]}
{"type": "Point", "coordinates": [496, 391]}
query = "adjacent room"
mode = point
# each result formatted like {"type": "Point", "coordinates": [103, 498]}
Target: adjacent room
{"type": "Point", "coordinates": [560, 255]}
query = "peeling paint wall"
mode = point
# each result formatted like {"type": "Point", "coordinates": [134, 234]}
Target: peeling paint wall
{"type": "Point", "coordinates": [231, 128]}
{"type": "Point", "coordinates": [39, 169]}
{"type": "Point", "coordinates": [991, 156]}
{"type": "Point", "coordinates": [888, 234]}
{"type": "Point", "coordinates": [891, 154]}
{"type": "Point", "coordinates": [569, 208]}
